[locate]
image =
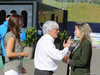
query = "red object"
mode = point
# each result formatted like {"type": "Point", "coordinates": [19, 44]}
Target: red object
{"type": "Point", "coordinates": [89, 0]}
{"type": "Point", "coordinates": [94, 47]}
{"type": "Point", "coordinates": [39, 12]}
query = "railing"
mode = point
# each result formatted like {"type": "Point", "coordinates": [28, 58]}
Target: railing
{"type": "Point", "coordinates": [68, 3]}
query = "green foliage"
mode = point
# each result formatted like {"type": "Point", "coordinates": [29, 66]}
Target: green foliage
{"type": "Point", "coordinates": [62, 36]}
{"type": "Point", "coordinates": [31, 36]}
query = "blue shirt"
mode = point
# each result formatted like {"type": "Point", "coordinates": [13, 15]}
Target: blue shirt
{"type": "Point", "coordinates": [3, 30]}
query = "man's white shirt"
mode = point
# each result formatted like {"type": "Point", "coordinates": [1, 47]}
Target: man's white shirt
{"type": "Point", "coordinates": [46, 54]}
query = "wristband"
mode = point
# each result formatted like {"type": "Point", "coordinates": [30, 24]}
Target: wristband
{"type": "Point", "coordinates": [19, 55]}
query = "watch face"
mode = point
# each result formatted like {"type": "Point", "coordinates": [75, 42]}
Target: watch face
{"type": "Point", "coordinates": [19, 55]}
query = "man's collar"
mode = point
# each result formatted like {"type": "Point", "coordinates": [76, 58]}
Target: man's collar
{"type": "Point", "coordinates": [50, 37]}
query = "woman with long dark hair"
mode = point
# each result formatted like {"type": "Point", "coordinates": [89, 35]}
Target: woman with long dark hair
{"type": "Point", "coordinates": [13, 47]}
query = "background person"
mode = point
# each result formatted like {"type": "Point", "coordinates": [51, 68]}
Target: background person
{"type": "Point", "coordinates": [3, 29]}
{"type": "Point", "coordinates": [46, 54]}
{"type": "Point", "coordinates": [13, 12]}
{"type": "Point", "coordinates": [14, 47]}
{"type": "Point", "coordinates": [80, 57]}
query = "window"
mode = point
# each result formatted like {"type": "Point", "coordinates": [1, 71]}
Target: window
{"type": "Point", "coordinates": [24, 14]}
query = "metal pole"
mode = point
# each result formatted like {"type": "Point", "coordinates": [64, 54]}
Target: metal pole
{"type": "Point", "coordinates": [88, 1]}
{"type": "Point", "coordinates": [75, 1]}
{"type": "Point", "coordinates": [79, 1]}
{"type": "Point", "coordinates": [66, 4]}
{"type": "Point", "coordinates": [71, 4]}
{"type": "Point", "coordinates": [55, 3]}
{"type": "Point", "coordinates": [52, 3]}
{"type": "Point", "coordinates": [92, 1]}
{"type": "Point", "coordinates": [60, 3]}
{"type": "Point", "coordinates": [48, 2]}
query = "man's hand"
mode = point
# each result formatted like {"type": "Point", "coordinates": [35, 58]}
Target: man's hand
{"type": "Point", "coordinates": [68, 44]}
{"type": "Point", "coordinates": [66, 60]}
{"type": "Point", "coordinates": [68, 52]}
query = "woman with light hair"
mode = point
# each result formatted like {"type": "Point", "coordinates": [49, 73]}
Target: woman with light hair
{"type": "Point", "coordinates": [80, 57]}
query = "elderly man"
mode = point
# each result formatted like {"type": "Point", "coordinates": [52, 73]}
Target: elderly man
{"type": "Point", "coordinates": [46, 55]}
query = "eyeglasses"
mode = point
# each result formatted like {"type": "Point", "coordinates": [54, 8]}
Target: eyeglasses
{"type": "Point", "coordinates": [56, 29]}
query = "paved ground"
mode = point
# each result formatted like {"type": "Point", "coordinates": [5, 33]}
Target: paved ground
{"type": "Point", "coordinates": [95, 65]}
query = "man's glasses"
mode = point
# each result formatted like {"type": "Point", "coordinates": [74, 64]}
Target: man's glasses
{"type": "Point", "coordinates": [56, 29]}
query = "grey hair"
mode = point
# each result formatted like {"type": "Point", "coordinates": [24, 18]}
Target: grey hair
{"type": "Point", "coordinates": [48, 26]}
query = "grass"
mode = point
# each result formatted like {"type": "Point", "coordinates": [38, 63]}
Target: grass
{"type": "Point", "coordinates": [85, 12]}
{"type": "Point", "coordinates": [81, 11]}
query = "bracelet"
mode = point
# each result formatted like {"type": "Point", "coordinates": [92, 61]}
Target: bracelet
{"type": "Point", "coordinates": [19, 55]}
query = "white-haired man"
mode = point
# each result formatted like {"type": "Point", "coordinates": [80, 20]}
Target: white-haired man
{"type": "Point", "coordinates": [46, 55]}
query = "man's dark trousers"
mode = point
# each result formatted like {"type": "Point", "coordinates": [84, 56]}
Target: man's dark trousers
{"type": "Point", "coordinates": [42, 72]}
